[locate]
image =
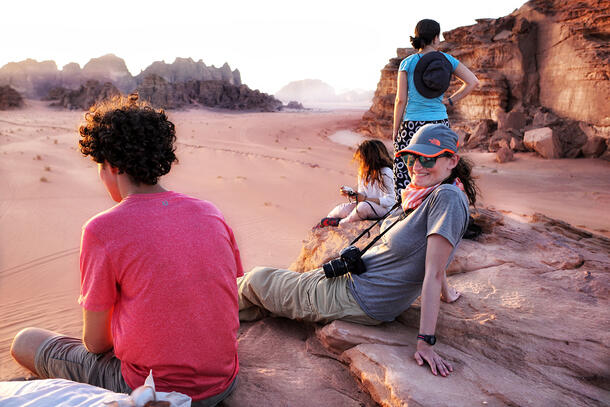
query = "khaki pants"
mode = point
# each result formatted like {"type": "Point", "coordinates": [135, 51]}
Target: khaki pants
{"type": "Point", "coordinates": [302, 296]}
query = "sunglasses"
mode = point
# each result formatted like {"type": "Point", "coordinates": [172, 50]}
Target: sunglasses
{"type": "Point", "coordinates": [426, 162]}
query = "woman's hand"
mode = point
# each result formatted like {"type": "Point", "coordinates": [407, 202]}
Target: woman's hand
{"type": "Point", "coordinates": [437, 364]}
{"type": "Point", "coordinates": [449, 294]}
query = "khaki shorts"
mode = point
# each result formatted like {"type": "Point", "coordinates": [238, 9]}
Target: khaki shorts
{"type": "Point", "coordinates": [302, 296]}
{"type": "Point", "coordinates": [67, 358]}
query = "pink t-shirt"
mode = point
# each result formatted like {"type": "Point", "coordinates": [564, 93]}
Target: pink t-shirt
{"type": "Point", "coordinates": [168, 265]}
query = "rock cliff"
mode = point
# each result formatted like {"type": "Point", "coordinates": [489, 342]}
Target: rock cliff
{"type": "Point", "coordinates": [531, 328]}
{"type": "Point", "coordinates": [185, 69]}
{"type": "Point", "coordinates": [84, 97]}
{"type": "Point", "coordinates": [210, 93]}
{"type": "Point", "coordinates": [10, 98]}
{"type": "Point", "coordinates": [545, 65]}
{"type": "Point", "coordinates": [35, 79]}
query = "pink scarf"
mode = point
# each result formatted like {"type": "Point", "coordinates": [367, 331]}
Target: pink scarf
{"type": "Point", "coordinates": [412, 196]}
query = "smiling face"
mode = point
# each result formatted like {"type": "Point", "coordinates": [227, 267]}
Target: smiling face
{"type": "Point", "coordinates": [427, 177]}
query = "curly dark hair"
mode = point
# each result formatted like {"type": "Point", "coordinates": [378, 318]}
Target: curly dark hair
{"type": "Point", "coordinates": [131, 136]}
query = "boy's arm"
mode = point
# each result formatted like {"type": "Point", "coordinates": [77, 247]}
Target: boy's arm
{"type": "Point", "coordinates": [97, 336]}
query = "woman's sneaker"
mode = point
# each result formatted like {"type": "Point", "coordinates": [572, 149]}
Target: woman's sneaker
{"type": "Point", "coordinates": [327, 222]}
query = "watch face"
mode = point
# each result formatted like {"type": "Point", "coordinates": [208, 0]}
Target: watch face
{"type": "Point", "coordinates": [431, 340]}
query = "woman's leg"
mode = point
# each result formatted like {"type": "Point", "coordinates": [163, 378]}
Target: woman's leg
{"type": "Point", "coordinates": [341, 210]}
{"type": "Point", "coordinates": [406, 131]}
{"type": "Point", "coordinates": [302, 296]}
{"type": "Point", "coordinates": [365, 210]}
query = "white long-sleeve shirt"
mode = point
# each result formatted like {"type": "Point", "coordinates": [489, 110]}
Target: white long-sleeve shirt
{"type": "Point", "coordinates": [387, 199]}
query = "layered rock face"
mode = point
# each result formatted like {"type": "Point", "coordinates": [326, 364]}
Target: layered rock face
{"type": "Point", "coordinates": [185, 69]}
{"type": "Point", "coordinates": [10, 98]}
{"type": "Point", "coordinates": [84, 97]}
{"type": "Point", "coordinates": [531, 327]}
{"type": "Point", "coordinates": [544, 65]}
{"type": "Point", "coordinates": [212, 93]}
{"type": "Point", "coordinates": [35, 79]}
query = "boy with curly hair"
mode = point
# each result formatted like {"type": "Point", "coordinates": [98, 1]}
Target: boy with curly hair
{"type": "Point", "coordinates": [158, 273]}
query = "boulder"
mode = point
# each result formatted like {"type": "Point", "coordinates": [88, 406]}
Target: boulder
{"type": "Point", "coordinates": [504, 155]}
{"type": "Point", "coordinates": [516, 144]}
{"type": "Point", "coordinates": [594, 147]}
{"type": "Point", "coordinates": [500, 139]}
{"type": "Point", "coordinates": [543, 141]}
{"type": "Point", "coordinates": [528, 329]}
{"type": "Point", "coordinates": [512, 120]}
{"type": "Point", "coordinates": [481, 134]}
{"type": "Point", "coordinates": [10, 98]}
{"type": "Point", "coordinates": [89, 93]}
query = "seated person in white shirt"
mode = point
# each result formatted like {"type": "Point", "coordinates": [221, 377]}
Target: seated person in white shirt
{"type": "Point", "coordinates": [375, 193]}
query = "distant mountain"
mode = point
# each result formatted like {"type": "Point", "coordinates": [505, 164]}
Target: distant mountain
{"type": "Point", "coordinates": [34, 79]}
{"type": "Point", "coordinates": [312, 92]}
{"type": "Point", "coordinates": [185, 69]}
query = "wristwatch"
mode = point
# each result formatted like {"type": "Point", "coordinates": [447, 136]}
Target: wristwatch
{"type": "Point", "coordinates": [429, 339]}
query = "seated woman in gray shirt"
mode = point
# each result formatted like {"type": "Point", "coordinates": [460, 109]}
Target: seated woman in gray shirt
{"type": "Point", "coordinates": [409, 261]}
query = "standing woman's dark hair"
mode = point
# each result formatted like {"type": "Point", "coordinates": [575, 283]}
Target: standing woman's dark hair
{"type": "Point", "coordinates": [425, 32]}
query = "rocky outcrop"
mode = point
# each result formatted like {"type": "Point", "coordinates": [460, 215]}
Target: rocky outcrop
{"type": "Point", "coordinates": [110, 68]}
{"type": "Point", "coordinates": [548, 60]}
{"type": "Point", "coordinates": [30, 78]}
{"type": "Point", "coordinates": [212, 93]}
{"type": "Point", "coordinates": [10, 98]}
{"type": "Point", "coordinates": [529, 329]}
{"type": "Point", "coordinates": [185, 69]}
{"type": "Point", "coordinates": [84, 97]}
{"type": "Point", "coordinates": [35, 79]}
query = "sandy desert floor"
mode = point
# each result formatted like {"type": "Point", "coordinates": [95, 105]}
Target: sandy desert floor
{"type": "Point", "coordinates": [273, 175]}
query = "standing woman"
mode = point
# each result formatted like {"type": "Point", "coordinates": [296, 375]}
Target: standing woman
{"type": "Point", "coordinates": [422, 81]}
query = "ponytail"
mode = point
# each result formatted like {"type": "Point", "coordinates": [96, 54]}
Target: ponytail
{"type": "Point", "coordinates": [463, 171]}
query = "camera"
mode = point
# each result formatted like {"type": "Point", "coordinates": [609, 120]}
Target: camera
{"type": "Point", "coordinates": [350, 261]}
{"type": "Point", "coordinates": [349, 191]}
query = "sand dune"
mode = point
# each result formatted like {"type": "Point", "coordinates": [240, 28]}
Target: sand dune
{"type": "Point", "coordinates": [272, 174]}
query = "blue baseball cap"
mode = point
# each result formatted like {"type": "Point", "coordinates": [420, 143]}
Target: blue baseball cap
{"type": "Point", "coordinates": [432, 140]}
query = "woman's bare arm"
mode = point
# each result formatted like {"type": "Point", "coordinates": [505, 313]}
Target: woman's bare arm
{"type": "Point", "coordinates": [469, 82]}
{"type": "Point", "coordinates": [437, 254]}
{"type": "Point", "coordinates": [401, 101]}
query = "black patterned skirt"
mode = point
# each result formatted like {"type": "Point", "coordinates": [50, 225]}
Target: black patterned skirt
{"type": "Point", "coordinates": [407, 129]}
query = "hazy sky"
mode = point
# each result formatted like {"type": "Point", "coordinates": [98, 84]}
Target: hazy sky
{"type": "Point", "coordinates": [343, 43]}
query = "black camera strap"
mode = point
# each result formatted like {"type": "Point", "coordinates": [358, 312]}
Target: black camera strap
{"type": "Point", "coordinates": [372, 242]}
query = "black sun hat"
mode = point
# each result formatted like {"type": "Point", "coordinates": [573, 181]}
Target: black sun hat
{"type": "Point", "coordinates": [432, 74]}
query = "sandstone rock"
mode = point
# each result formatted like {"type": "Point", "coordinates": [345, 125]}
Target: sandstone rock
{"type": "Point", "coordinates": [594, 147]}
{"type": "Point", "coordinates": [512, 120]}
{"type": "Point", "coordinates": [185, 69]}
{"type": "Point", "coordinates": [509, 338]}
{"type": "Point", "coordinates": [86, 96]}
{"type": "Point", "coordinates": [481, 134]}
{"type": "Point", "coordinates": [571, 138]}
{"type": "Point", "coordinates": [546, 59]}
{"type": "Point", "coordinates": [500, 139]}
{"type": "Point", "coordinates": [10, 98]}
{"type": "Point", "coordinates": [544, 118]}
{"type": "Point", "coordinates": [30, 78]}
{"type": "Point", "coordinates": [294, 105]}
{"type": "Point", "coordinates": [516, 144]}
{"type": "Point", "coordinates": [543, 141]}
{"type": "Point", "coordinates": [110, 68]}
{"type": "Point", "coordinates": [504, 155]}
{"type": "Point", "coordinates": [276, 369]}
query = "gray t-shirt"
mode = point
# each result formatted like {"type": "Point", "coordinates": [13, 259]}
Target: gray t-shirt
{"type": "Point", "coordinates": [395, 268]}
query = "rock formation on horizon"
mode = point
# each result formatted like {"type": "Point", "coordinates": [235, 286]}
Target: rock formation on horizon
{"type": "Point", "coordinates": [314, 91]}
{"type": "Point", "coordinates": [211, 93]}
{"type": "Point", "coordinates": [84, 97]}
{"type": "Point", "coordinates": [185, 69]}
{"type": "Point", "coordinates": [10, 98]}
{"type": "Point", "coordinates": [546, 65]}
{"type": "Point", "coordinates": [35, 79]}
